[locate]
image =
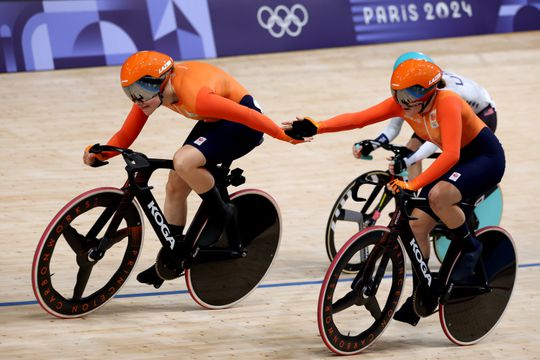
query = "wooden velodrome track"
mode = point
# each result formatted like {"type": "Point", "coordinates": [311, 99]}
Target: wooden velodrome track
{"type": "Point", "coordinates": [47, 118]}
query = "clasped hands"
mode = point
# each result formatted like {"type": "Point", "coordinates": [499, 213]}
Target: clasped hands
{"type": "Point", "coordinates": [301, 129]}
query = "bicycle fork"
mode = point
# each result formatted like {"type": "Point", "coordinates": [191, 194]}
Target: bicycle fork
{"type": "Point", "coordinates": [371, 287]}
{"type": "Point", "coordinates": [106, 242]}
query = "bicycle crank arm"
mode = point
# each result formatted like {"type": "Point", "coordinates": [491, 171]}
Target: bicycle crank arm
{"type": "Point", "coordinates": [210, 255]}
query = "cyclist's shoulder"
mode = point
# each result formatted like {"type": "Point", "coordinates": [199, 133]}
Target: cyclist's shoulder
{"type": "Point", "coordinates": [200, 72]}
{"type": "Point", "coordinates": [198, 68]}
{"type": "Point", "coordinates": [447, 94]}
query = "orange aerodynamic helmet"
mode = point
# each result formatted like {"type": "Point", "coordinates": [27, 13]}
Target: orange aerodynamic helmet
{"type": "Point", "coordinates": [144, 74]}
{"type": "Point", "coordinates": [414, 82]}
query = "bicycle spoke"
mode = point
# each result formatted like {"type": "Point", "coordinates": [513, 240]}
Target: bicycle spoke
{"type": "Point", "coordinates": [117, 237]}
{"type": "Point", "coordinates": [359, 276]}
{"type": "Point", "coordinates": [350, 215]}
{"type": "Point", "coordinates": [373, 306]}
{"type": "Point", "coordinates": [350, 299]}
{"type": "Point", "coordinates": [75, 240]}
{"type": "Point", "coordinates": [82, 280]}
{"type": "Point", "coordinates": [101, 221]}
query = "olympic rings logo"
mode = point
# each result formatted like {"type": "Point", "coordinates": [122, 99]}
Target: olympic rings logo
{"type": "Point", "coordinates": [279, 20]}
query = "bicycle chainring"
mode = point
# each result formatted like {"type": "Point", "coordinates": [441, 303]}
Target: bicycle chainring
{"type": "Point", "coordinates": [167, 268]}
{"type": "Point", "coordinates": [424, 303]}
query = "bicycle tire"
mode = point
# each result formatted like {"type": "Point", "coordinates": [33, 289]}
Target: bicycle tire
{"type": "Point", "coordinates": [340, 212]}
{"type": "Point", "coordinates": [466, 319]}
{"type": "Point", "coordinates": [62, 239]}
{"type": "Point", "coordinates": [336, 328]}
{"type": "Point", "coordinates": [219, 284]}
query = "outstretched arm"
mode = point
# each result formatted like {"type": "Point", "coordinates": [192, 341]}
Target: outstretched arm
{"type": "Point", "coordinates": [215, 106]}
{"type": "Point", "coordinates": [382, 111]}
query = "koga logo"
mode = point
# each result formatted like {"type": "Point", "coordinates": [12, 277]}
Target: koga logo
{"type": "Point", "coordinates": [278, 21]}
{"type": "Point", "coordinates": [164, 67]}
{"type": "Point", "coordinates": [420, 258]}
{"type": "Point", "coordinates": [159, 219]}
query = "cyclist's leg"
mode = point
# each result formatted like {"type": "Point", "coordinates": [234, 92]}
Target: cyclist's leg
{"type": "Point", "coordinates": [212, 144]}
{"type": "Point", "coordinates": [189, 166]}
{"type": "Point", "coordinates": [481, 166]}
{"type": "Point", "coordinates": [175, 209]}
{"type": "Point", "coordinates": [443, 201]}
{"type": "Point", "coordinates": [188, 174]}
{"type": "Point", "coordinates": [421, 227]}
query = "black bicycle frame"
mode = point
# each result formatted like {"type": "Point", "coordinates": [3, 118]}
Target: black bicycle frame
{"type": "Point", "coordinates": [399, 227]}
{"type": "Point", "coordinates": [139, 171]}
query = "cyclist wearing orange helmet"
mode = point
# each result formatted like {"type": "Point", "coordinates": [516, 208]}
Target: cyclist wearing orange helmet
{"type": "Point", "coordinates": [144, 75]}
{"type": "Point", "coordinates": [230, 126]}
{"type": "Point", "coordinates": [472, 159]}
{"type": "Point", "coordinates": [475, 95]}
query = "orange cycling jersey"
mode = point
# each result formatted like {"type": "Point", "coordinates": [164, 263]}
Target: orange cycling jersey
{"type": "Point", "coordinates": [204, 92]}
{"type": "Point", "coordinates": [451, 124]}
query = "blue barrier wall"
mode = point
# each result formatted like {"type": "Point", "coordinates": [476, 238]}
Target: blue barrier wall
{"type": "Point", "coordinates": [44, 35]}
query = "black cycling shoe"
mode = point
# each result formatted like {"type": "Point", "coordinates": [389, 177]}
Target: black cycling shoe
{"type": "Point", "coordinates": [219, 215]}
{"type": "Point", "coordinates": [464, 268]}
{"type": "Point", "coordinates": [216, 225]}
{"type": "Point", "coordinates": [150, 277]}
{"type": "Point", "coordinates": [406, 313]}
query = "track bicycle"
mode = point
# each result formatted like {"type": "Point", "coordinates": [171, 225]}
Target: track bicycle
{"type": "Point", "coordinates": [363, 201]}
{"type": "Point", "coordinates": [91, 246]}
{"type": "Point", "coordinates": [354, 310]}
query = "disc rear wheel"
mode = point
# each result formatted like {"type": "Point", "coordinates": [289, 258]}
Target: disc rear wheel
{"type": "Point", "coordinates": [472, 311]}
{"type": "Point", "coordinates": [223, 274]}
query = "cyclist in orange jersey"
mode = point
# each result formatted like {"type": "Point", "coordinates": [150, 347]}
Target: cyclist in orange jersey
{"type": "Point", "coordinates": [230, 125]}
{"type": "Point", "coordinates": [475, 95]}
{"type": "Point", "coordinates": [472, 159]}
